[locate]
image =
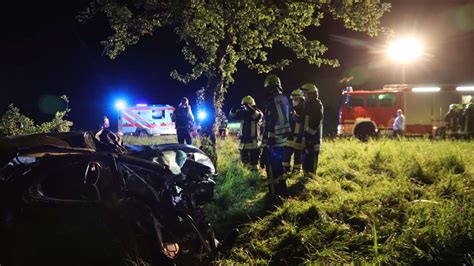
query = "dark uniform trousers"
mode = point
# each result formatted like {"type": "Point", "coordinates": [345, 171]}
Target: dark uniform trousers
{"type": "Point", "coordinates": [313, 133]}
{"type": "Point", "coordinates": [297, 159]}
{"type": "Point", "coordinates": [250, 157]}
{"type": "Point", "coordinates": [310, 160]}
{"type": "Point", "coordinates": [184, 136]}
{"type": "Point", "coordinates": [295, 141]}
{"type": "Point", "coordinates": [275, 171]}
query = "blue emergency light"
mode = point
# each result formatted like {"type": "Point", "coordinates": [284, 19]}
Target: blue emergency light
{"type": "Point", "coordinates": [120, 105]}
{"type": "Point", "coordinates": [202, 115]}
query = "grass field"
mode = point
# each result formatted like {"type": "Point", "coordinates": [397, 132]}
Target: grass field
{"type": "Point", "coordinates": [384, 202]}
{"type": "Point", "coordinates": [380, 202]}
{"type": "Point", "coordinates": [408, 201]}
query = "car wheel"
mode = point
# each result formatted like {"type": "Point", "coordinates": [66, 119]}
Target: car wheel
{"type": "Point", "coordinates": [364, 131]}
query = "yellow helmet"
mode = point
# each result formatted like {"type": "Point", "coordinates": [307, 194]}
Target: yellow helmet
{"type": "Point", "coordinates": [272, 80]}
{"type": "Point", "coordinates": [248, 100]}
{"type": "Point", "coordinates": [309, 87]}
{"type": "Point", "coordinates": [296, 94]}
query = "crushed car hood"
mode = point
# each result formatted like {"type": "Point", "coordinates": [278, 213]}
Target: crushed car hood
{"type": "Point", "coordinates": [40, 145]}
{"type": "Point", "coordinates": [166, 154]}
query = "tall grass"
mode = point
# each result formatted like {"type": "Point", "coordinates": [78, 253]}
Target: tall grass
{"type": "Point", "coordinates": [386, 201]}
{"type": "Point", "coordinates": [381, 202]}
{"type": "Point", "coordinates": [240, 193]}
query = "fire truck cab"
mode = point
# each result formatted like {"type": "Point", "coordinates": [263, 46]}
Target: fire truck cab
{"type": "Point", "coordinates": [143, 120]}
{"type": "Point", "coordinates": [365, 113]}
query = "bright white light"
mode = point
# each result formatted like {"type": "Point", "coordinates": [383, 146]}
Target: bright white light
{"type": "Point", "coordinates": [120, 105]}
{"type": "Point", "coordinates": [201, 115]}
{"type": "Point", "coordinates": [465, 88]}
{"type": "Point", "coordinates": [405, 50]}
{"type": "Point", "coordinates": [426, 89]}
{"type": "Point", "coordinates": [142, 105]}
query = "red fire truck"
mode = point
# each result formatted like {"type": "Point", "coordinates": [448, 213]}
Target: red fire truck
{"type": "Point", "coordinates": [367, 113]}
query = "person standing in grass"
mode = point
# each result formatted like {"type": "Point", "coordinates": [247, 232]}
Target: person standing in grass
{"type": "Point", "coordinates": [295, 141]}
{"type": "Point", "coordinates": [184, 121]}
{"type": "Point", "coordinates": [452, 118]}
{"type": "Point", "coordinates": [313, 128]}
{"type": "Point", "coordinates": [250, 119]}
{"type": "Point", "coordinates": [223, 126]}
{"type": "Point", "coordinates": [275, 136]}
{"type": "Point", "coordinates": [399, 124]}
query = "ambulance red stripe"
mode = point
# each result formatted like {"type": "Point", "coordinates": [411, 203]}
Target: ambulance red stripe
{"type": "Point", "coordinates": [138, 119]}
{"type": "Point", "coordinates": [131, 121]}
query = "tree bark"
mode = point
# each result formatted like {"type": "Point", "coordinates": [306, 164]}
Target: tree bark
{"type": "Point", "coordinates": [214, 100]}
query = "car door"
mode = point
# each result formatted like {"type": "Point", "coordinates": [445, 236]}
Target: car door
{"type": "Point", "coordinates": [66, 214]}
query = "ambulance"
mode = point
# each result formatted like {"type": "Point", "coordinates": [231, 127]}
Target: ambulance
{"type": "Point", "coordinates": [147, 120]}
{"type": "Point", "coordinates": [368, 113]}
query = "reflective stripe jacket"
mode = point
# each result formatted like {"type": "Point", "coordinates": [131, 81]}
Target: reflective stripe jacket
{"type": "Point", "coordinates": [296, 122]}
{"type": "Point", "coordinates": [250, 120]}
{"type": "Point", "coordinates": [183, 117]}
{"type": "Point", "coordinates": [277, 122]}
{"type": "Point", "coordinates": [313, 118]}
{"type": "Point", "coordinates": [452, 119]}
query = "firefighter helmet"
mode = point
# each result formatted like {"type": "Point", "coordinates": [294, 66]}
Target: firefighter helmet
{"type": "Point", "coordinates": [248, 100]}
{"type": "Point", "coordinates": [296, 94]}
{"type": "Point", "coordinates": [452, 106]}
{"type": "Point", "coordinates": [272, 80]}
{"type": "Point", "coordinates": [309, 87]}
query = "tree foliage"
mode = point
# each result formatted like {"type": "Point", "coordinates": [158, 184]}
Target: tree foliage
{"type": "Point", "coordinates": [218, 34]}
{"type": "Point", "coordinates": [12, 122]}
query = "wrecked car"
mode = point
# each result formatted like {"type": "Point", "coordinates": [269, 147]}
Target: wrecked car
{"type": "Point", "coordinates": [161, 188]}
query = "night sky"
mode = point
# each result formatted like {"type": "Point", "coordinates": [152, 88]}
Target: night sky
{"type": "Point", "coordinates": [44, 51]}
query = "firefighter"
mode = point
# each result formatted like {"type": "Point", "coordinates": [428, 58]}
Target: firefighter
{"type": "Point", "coordinates": [467, 125]}
{"type": "Point", "coordinates": [184, 121]}
{"type": "Point", "coordinates": [295, 141]}
{"type": "Point", "coordinates": [223, 123]}
{"type": "Point", "coordinates": [250, 118]}
{"type": "Point", "coordinates": [452, 119]}
{"type": "Point", "coordinates": [313, 128]}
{"type": "Point", "coordinates": [399, 124]}
{"type": "Point", "coordinates": [276, 132]}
